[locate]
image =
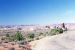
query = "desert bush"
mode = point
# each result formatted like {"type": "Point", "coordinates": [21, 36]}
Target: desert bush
{"type": "Point", "coordinates": [19, 36]}
{"type": "Point", "coordinates": [40, 34]}
{"type": "Point", "coordinates": [7, 35]}
{"type": "Point", "coordinates": [37, 38]}
{"type": "Point", "coordinates": [60, 30]}
{"type": "Point", "coordinates": [31, 35]}
{"type": "Point", "coordinates": [56, 31]}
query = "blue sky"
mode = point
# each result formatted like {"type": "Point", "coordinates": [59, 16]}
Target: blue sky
{"type": "Point", "coordinates": [37, 11]}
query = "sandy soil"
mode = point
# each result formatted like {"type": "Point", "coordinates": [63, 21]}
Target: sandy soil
{"type": "Point", "coordinates": [65, 41]}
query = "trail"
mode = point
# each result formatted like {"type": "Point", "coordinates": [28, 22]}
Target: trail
{"type": "Point", "coordinates": [65, 41]}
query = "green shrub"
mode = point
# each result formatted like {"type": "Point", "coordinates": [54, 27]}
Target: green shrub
{"type": "Point", "coordinates": [7, 35]}
{"type": "Point", "coordinates": [31, 35]}
{"type": "Point", "coordinates": [56, 31]}
{"type": "Point", "coordinates": [19, 36]}
{"type": "Point", "coordinates": [40, 34]}
{"type": "Point", "coordinates": [60, 30]}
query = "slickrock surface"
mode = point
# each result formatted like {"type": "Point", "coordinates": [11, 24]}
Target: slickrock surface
{"type": "Point", "coordinates": [65, 41]}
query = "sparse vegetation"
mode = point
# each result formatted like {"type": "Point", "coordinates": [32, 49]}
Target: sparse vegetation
{"type": "Point", "coordinates": [17, 37]}
{"type": "Point", "coordinates": [56, 31]}
{"type": "Point", "coordinates": [33, 35]}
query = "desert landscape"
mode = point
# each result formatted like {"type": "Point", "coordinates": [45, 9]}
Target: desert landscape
{"type": "Point", "coordinates": [37, 24]}
{"type": "Point", "coordinates": [53, 37]}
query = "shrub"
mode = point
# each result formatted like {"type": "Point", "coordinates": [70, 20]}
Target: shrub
{"type": "Point", "coordinates": [19, 36]}
{"type": "Point", "coordinates": [40, 34]}
{"type": "Point", "coordinates": [60, 30]}
{"type": "Point", "coordinates": [31, 35]}
{"type": "Point", "coordinates": [56, 31]}
{"type": "Point", "coordinates": [7, 35]}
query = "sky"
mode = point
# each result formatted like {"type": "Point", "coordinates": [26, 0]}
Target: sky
{"type": "Point", "coordinates": [36, 11]}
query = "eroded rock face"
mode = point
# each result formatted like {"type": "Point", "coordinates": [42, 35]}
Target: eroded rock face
{"type": "Point", "coordinates": [64, 41]}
